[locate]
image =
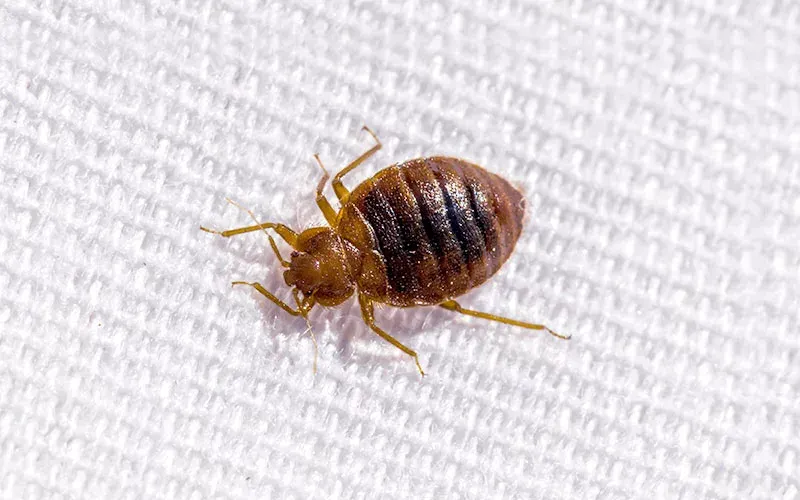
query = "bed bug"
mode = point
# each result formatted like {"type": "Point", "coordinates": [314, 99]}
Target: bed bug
{"type": "Point", "coordinates": [418, 233]}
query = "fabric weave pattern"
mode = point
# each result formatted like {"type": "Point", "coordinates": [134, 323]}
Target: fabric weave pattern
{"type": "Point", "coordinates": [657, 143]}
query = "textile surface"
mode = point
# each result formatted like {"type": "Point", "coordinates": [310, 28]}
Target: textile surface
{"type": "Point", "coordinates": [658, 147]}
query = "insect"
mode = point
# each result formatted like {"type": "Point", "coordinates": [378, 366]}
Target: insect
{"type": "Point", "coordinates": [418, 233]}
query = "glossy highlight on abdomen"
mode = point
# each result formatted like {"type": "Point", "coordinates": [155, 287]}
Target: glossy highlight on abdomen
{"type": "Point", "coordinates": [438, 226]}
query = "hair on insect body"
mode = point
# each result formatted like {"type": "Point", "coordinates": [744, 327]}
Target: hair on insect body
{"type": "Point", "coordinates": [418, 233]}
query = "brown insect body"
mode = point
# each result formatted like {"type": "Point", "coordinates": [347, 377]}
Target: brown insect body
{"type": "Point", "coordinates": [420, 232]}
{"type": "Point", "coordinates": [428, 230]}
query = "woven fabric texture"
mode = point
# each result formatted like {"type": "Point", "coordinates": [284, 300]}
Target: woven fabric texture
{"type": "Point", "coordinates": [657, 144]}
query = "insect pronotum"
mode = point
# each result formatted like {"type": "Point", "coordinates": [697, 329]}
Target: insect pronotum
{"type": "Point", "coordinates": [419, 233]}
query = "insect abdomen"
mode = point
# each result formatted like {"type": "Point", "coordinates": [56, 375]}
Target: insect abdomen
{"type": "Point", "coordinates": [430, 229]}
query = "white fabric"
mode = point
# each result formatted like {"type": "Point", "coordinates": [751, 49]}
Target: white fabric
{"type": "Point", "coordinates": [658, 147]}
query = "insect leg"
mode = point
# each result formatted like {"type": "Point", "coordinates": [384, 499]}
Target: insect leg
{"type": "Point", "coordinates": [322, 201]}
{"type": "Point", "coordinates": [341, 192]}
{"type": "Point", "coordinates": [452, 305]}
{"type": "Point", "coordinates": [283, 231]}
{"type": "Point", "coordinates": [368, 312]}
{"type": "Point", "coordinates": [263, 291]}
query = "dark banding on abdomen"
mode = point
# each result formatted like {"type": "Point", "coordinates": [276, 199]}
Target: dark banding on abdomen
{"type": "Point", "coordinates": [432, 203]}
{"type": "Point", "coordinates": [382, 218]}
{"type": "Point", "coordinates": [441, 226]}
{"type": "Point", "coordinates": [484, 205]}
{"type": "Point", "coordinates": [415, 248]}
{"type": "Point", "coordinates": [462, 217]}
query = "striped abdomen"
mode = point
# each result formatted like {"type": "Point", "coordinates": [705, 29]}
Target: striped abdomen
{"type": "Point", "coordinates": [429, 229]}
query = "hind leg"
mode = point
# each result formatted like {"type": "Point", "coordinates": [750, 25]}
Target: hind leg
{"type": "Point", "coordinates": [452, 305]}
